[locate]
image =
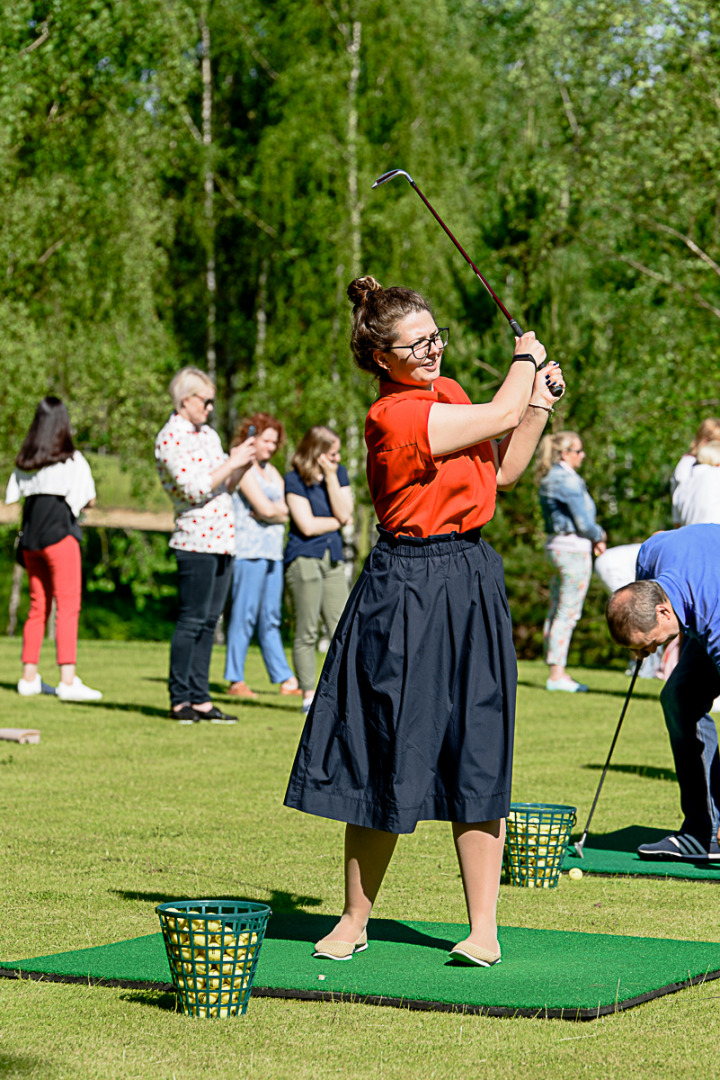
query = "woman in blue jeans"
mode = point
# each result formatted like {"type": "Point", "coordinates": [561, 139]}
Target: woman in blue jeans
{"type": "Point", "coordinates": [260, 516]}
{"type": "Point", "coordinates": [573, 537]}
{"type": "Point", "coordinates": [199, 476]}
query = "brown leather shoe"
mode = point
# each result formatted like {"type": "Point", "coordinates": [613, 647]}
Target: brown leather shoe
{"type": "Point", "coordinates": [290, 691]}
{"type": "Point", "coordinates": [241, 689]}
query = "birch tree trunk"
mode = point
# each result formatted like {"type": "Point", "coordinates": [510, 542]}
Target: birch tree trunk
{"type": "Point", "coordinates": [210, 278]}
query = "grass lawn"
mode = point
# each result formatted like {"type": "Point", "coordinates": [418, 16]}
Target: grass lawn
{"type": "Point", "coordinates": [118, 809]}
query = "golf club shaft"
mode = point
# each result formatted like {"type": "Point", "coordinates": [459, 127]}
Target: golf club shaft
{"type": "Point", "coordinates": [517, 330]}
{"type": "Point", "coordinates": [556, 391]}
{"type": "Point", "coordinates": [579, 846]}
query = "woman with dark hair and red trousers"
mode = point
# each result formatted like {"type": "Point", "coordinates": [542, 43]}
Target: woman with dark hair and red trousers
{"type": "Point", "coordinates": [413, 717]}
{"type": "Point", "coordinates": [55, 480]}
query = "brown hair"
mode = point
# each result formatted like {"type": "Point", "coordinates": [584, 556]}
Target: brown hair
{"type": "Point", "coordinates": [376, 313]}
{"type": "Point", "coordinates": [261, 421]}
{"type": "Point", "coordinates": [551, 451]}
{"type": "Point", "coordinates": [709, 430]}
{"type": "Point", "coordinates": [314, 443]}
{"type": "Point", "coordinates": [631, 610]}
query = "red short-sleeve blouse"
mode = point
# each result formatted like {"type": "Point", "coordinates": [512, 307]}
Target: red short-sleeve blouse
{"type": "Point", "coordinates": [413, 492]}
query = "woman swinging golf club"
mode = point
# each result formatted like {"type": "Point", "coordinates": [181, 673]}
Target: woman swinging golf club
{"type": "Point", "coordinates": [413, 717]}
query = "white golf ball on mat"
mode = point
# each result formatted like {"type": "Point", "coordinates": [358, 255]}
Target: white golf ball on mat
{"type": "Point", "coordinates": [575, 874]}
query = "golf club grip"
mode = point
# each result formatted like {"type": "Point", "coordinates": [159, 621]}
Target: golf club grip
{"type": "Point", "coordinates": [517, 329]}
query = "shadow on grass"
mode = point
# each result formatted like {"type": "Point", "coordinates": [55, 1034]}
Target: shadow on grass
{"type": "Point", "coordinates": [652, 772]}
{"type": "Point", "coordinates": [24, 1065]}
{"type": "Point", "coordinates": [165, 1000]}
{"type": "Point", "coordinates": [622, 694]}
{"type": "Point", "coordinates": [129, 707]}
{"type": "Point", "coordinates": [626, 839]}
{"type": "Point", "coordinates": [278, 900]}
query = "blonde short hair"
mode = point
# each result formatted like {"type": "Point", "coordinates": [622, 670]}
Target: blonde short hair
{"type": "Point", "coordinates": [709, 453]}
{"type": "Point", "coordinates": [188, 381]}
{"type": "Point", "coordinates": [709, 430]}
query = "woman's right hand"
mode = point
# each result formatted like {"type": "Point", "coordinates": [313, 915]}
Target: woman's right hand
{"type": "Point", "coordinates": [242, 454]}
{"type": "Point", "coordinates": [528, 343]}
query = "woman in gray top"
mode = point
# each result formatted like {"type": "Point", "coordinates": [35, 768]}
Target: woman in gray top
{"type": "Point", "coordinates": [257, 587]}
{"type": "Point", "coordinates": [573, 536]}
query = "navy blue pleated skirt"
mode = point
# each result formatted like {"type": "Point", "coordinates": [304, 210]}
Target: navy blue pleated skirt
{"type": "Point", "coordinates": [413, 717]}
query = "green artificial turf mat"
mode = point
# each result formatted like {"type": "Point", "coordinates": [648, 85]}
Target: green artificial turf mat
{"type": "Point", "coordinates": [616, 853]}
{"type": "Point", "coordinates": [543, 973]}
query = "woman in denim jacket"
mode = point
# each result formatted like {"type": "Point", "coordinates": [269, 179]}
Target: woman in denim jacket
{"type": "Point", "coordinates": [573, 537]}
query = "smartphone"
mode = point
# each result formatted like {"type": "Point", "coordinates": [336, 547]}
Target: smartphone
{"type": "Point", "coordinates": [251, 431]}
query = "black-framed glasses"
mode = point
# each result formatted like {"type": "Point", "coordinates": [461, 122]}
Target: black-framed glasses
{"type": "Point", "coordinates": [208, 403]}
{"type": "Point", "coordinates": [421, 349]}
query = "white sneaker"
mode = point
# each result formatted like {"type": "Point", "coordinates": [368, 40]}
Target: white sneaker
{"type": "Point", "coordinates": [567, 684]}
{"type": "Point", "coordinates": [27, 689]}
{"type": "Point", "coordinates": [715, 704]}
{"type": "Point", "coordinates": [77, 691]}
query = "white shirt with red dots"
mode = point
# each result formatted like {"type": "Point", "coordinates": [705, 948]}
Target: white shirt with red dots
{"type": "Point", "coordinates": [186, 457]}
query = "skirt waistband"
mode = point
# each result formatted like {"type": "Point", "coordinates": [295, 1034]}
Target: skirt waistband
{"type": "Point", "coordinates": [441, 544]}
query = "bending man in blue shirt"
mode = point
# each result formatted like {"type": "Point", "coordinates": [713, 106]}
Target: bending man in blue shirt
{"type": "Point", "coordinates": [678, 588]}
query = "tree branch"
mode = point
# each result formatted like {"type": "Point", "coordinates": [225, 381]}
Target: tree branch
{"type": "Point", "coordinates": [194, 131]}
{"type": "Point", "coordinates": [675, 285]}
{"type": "Point", "coordinates": [689, 242]}
{"type": "Point", "coordinates": [569, 112]}
{"type": "Point", "coordinates": [45, 34]}
{"type": "Point", "coordinates": [51, 250]}
{"type": "Point", "coordinates": [249, 214]}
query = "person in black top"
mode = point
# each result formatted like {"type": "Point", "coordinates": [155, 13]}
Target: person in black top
{"type": "Point", "coordinates": [56, 483]}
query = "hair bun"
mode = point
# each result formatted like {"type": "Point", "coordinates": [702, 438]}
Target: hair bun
{"type": "Point", "coordinates": [359, 289]}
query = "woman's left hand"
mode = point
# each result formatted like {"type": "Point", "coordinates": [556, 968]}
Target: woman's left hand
{"type": "Point", "coordinates": [541, 393]}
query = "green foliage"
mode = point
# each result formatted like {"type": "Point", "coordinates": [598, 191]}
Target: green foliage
{"type": "Point", "coordinates": [570, 144]}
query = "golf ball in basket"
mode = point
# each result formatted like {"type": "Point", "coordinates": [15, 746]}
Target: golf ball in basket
{"type": "Point", "coordinates": [575, 874]}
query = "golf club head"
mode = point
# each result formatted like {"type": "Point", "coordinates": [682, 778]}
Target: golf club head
{"type": "Point", "coordinates": [579, 849]}
{"type": "Point", "coordinates": [390, 175]}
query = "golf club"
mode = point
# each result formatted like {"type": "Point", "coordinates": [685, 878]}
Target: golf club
{"type": "Point", "coordinates": [581, 843]}
{"type": "Point", "coordinates": [514, 325]}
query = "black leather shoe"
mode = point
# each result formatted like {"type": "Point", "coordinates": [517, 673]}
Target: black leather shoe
{"type": "Point", "coordinates": [184, 715]}
{"type": "Point", "coordinates": [214, 715]}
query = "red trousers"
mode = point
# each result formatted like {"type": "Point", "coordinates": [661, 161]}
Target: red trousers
{"type": "Point", "coordinates": [53, 572]}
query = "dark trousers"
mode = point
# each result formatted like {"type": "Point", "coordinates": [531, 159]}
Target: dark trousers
{"type": "Point", "coordinates": [686, 699]}
{"type": "Point", "coordinates": [203, 583]}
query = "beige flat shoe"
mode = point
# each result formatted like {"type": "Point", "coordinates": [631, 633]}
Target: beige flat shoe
{"type": "Point", "coordinates": [467, 953]}
{"type": "Point", "coordinates": [328, 949]}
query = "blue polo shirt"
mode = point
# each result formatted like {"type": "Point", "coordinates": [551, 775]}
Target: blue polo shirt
{"type": "Point", "coordinates": [313, 547]}
{"type": "Point", "coordinates": [686, 563]}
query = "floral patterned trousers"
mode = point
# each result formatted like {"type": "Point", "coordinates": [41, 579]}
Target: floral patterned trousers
{"type": "Point", "coordinates": [568, 588]}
